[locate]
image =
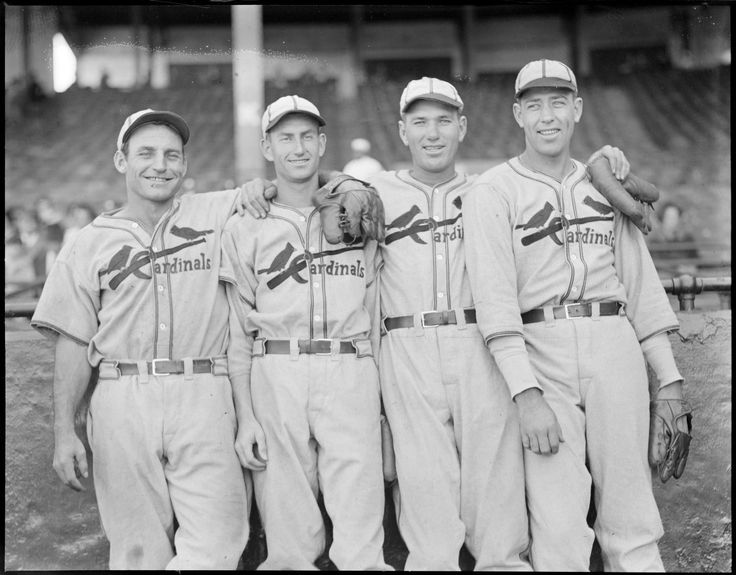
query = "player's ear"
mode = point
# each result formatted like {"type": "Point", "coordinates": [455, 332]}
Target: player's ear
{"type": "Point", "coordinates": [463, 123]}
{"type": "Point", "coordinates": [322, 143]}
{"type": "Point", "coordinates": [402, 132]}
{"type": "Point", "coordinates": [266, 148]}
{"type": "Point", "coordinates": [120, 162]}
{"type": "Point", "coordinates": [578, 107]}
{"type": "Point", "coordinates": [517, 114]}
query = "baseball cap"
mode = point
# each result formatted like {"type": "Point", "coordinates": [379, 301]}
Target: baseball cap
{"type": "Point", "coordinates": [289, 105]}
{"type": "Point", "coordinates": [135, 121]}
{"type": "Point", "coordinates": [430, 89]}
{"type": "Point", "coordinates": [545, 74]}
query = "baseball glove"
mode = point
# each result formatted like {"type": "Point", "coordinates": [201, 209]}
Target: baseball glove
{"type": "Point", "coordinates": [669, 436]}
{"type": "Point", "coordinates": [350, 210]}
{"type": "Point", "coordinates": [632, 197]}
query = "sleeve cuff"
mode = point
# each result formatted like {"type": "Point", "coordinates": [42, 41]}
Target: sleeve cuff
{"type": "Point", "coordinates": [658, 353]}
{"type": "Point", "coordinates": [512, 359]}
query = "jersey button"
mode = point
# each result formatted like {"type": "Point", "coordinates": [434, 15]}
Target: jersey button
{"type": "Point", "coordinates": [440, 256]}
{"type": "Point", "coordinates": [317, 318]}
{"type": "Point", "coordinates": [162, 326]}
{"type": "Point", "coordinates": [302, 219]}
{"type": "Point", "coordinates": [160, 288]}
{"type": "Point", "coordinates": [316, 285]}
{"type": "Point", "coordinates": [440, 294]}
{"type": "Point", "coordinates": [134, 225]}
{"type": "Point", "coordinates": [573, 257]}
{"type": "Point", "coordinates": [574, 288]}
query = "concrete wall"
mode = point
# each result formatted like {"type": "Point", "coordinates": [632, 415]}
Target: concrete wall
{"type": "Point", "coordinates": [48, 526]}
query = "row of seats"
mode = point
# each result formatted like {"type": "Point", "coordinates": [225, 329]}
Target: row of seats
{"type": "Point", "coordinates": [674, 124]}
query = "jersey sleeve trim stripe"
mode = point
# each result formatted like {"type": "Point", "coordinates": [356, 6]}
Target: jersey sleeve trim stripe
{"type": "Point", "coordinates": [667, 330]}
{"type": "Point", "coordinates": [40, 326]}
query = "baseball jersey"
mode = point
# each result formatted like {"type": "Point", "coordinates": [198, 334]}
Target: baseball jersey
{"type": "Point", "coordinates": [292, 283]}
{"type": "Point", "coordinates": [423, 254]}
{"type": "Point", "coordinates": [539, 242]}
{"type": "Point", "coordinates": [128, 295]}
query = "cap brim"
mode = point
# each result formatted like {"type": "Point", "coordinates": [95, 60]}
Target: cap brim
{"type": "Point", "coordinates": [276, 119]}
{"type": "Point", "coordinates": [174, 120]}
{"type": "Point", "coordinates": [433, 97]}
{"type": "Point", "coordinates": [548, 83]}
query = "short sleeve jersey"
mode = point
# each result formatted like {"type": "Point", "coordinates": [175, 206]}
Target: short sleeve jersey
{"type": "Point", "coordinates": [128, 295]}
{"type": "Point", "coordinates": [423, 253]}
{"type": "Point", "coordinates": [537, 242]}
{"type": "Point", "coordinates": [293, 283]}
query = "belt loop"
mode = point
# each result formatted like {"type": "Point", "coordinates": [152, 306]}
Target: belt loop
{"type": "Point", "coordinates": [334, 349]}
{"type": "Point", "coordinates": [109, 370]}
{"type": "Point", "coordinates": [460, 318]}
{"type": "Point", "coordinates": [188, 368]}
{"type": "Point", "coordinates": [384, 331]}
{"type": "Point", "coordinates": [549, 315]}
{"type": "Point", "coordinates": [363, 348]}
{"type": "Point", "coordinates": [293, 348]}
{"type": "Point", "coordinates": [259, 347]}
{"type": "Point", "coordinates": [595, 310]}
{"type": "Point", "coordinates": [142, 371]}
{"type": "Point", "coordinates": [622, 309]}
{"type": "Point", "coordinates": [418, 329]}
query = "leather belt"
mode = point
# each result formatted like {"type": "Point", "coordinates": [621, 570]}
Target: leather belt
{"type": "Point", "coordinates": [573, 310]}
{"type": "Point", "coordinates": [428, 319]}
{"type": "Point", "coordinates": [164, 366]}
{"type": "Point", "coordinates": [313, 346]}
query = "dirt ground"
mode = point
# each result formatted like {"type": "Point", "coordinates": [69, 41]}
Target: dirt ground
{"type": "Point", "coordinates": [50, 527]}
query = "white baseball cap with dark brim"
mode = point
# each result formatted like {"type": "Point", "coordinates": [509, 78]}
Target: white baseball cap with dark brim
{"type": "Point", "coordinates": [147, 116]}
{"type": "Point", "coordinates": [430, 89]}
{"type": "Point", "coordinates": [286, 105]}
{"type": "Point", "coordinates": [545, 74]}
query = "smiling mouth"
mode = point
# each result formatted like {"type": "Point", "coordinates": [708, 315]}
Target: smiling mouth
{"type": "Point", "coordinates": [433, 148]}
{"type": "Point", "coordinates": [158, 180]}
{"type": "Point", "coordinates": [299, 162]}
{"type": "Point", "coordinates": [550, 132]}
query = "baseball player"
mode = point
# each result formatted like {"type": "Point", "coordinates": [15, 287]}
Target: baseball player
{"type": "Point", "coordinates": [570, 304]}
{"type": "Point", "coordinates": [136, 295]}
{"type": "Point", "coordinates": [302, 363]}
{"type": "Point", "coordinates": [455, 430]}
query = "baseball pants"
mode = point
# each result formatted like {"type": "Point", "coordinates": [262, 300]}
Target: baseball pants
{"type": "Point", "coordinates": [593, 376]}
{"type": "Point", "coordinates": [458, 450]}
{"type": "Point", "coordinates": [321, 419]}
{"type": "Point", "coordinates": [163, 448]}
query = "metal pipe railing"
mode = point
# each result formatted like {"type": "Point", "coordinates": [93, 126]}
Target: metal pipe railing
{"type": "Point", "coordinates": [685, 287]}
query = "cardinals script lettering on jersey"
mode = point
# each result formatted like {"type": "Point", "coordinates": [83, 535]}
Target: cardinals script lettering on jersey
{"type": "Point", "coordinates": [334, 268]}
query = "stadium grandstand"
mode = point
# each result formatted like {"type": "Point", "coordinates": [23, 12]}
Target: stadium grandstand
{"type": "Point", "coordinates": [655, 80]}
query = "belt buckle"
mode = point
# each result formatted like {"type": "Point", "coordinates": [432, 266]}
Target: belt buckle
{"type": "Point", "coordinates": [154, 371]}
{"type": "Point", "coordinates": [424, 325]}
{"type": "Point", "coordinates": [321, 352]}
{"type": "Point", "coordinates": [567, 313]}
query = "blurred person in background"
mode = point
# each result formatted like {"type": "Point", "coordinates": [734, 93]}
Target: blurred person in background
{"type": "Point", "coordinates": [362, 166]}
{"type": "Point", "coordinates": [671, 227]}
{"type": "Point", "coordinates": [78, 215]}
{"type": "Point", "coordinates": [51, 226]}
{"type": "Point", "coordinates": [18, 263]}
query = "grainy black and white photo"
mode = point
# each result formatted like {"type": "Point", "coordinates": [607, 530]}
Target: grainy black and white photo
{"type": "Point", "coordinates": [368, 287]}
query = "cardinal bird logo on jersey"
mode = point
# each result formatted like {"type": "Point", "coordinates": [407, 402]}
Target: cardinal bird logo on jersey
{"type": "Point", "coordinates": [124, 264]}
{"type": "Point", "coordinates": [287, 264]}
{"type": "Point", "coordinates": [546, 224]}
{"type": "Point", "coordinates": [402, 224]}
